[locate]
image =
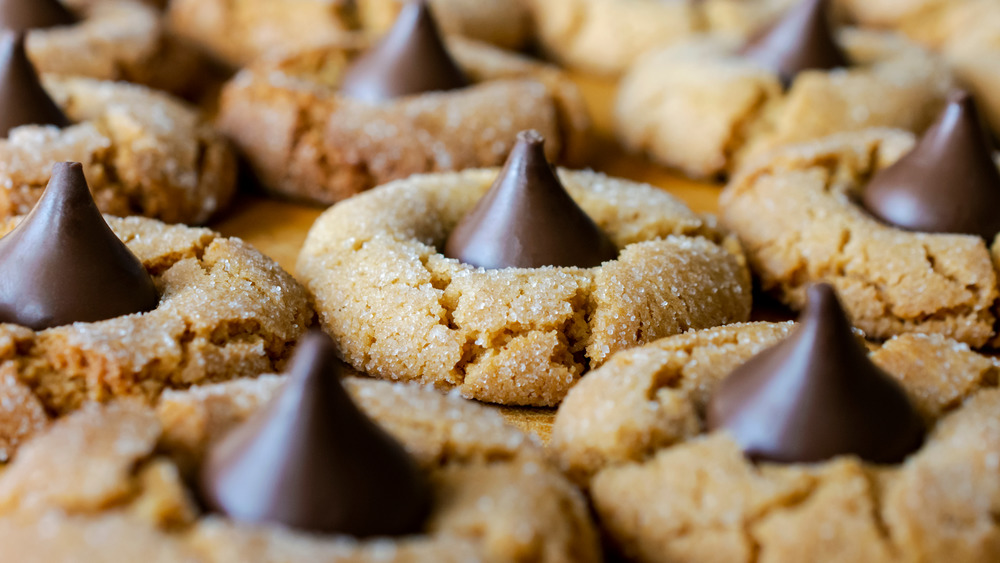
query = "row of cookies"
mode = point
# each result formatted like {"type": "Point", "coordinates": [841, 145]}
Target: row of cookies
{"type": "Point", "coordinates": [337, 125]}
{"type": "Point", "coordinates": [812, 452]}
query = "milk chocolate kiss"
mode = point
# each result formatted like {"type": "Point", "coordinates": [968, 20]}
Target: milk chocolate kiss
{"type": "Point", "coordinates": [23, 100]}
{"type": "Point", "coordinates": [410, 59]}
{"type": "Point", "coordinates": [63, 264]}
{"type": "Point", "coordinates": [22, 15]}
{"type": "Point", "coordinates": [527, 220]}
{"type": "Point", "coordinates": [311, 460]}
{"type": "Point", "coordinates": [816, 395]}
{"type": "Point", "coordinates": [948, 183]}
{"type": "Point", "coordinates": [802, 40]}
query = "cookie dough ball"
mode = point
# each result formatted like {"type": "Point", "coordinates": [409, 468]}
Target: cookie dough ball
{"type": "Point", "coordinates": [307, 141]}
{"type": "Point", "coordinates": [633, 430]}
{"type": "Point", "coordinates": [108, 484]}
{"type": "Point", "coordinates": [798, 216]}
{"type": "Point", "coordinates": [225, 311]}
{"type": "Point", "coordinates": [607, 36]}
{"type": "Point", "coordinates": [117, 40]}
{"type": "Point", "coordinates": [704, 109]}
{"type": "Point", "coordinates": [399, 309]}
{"type": "Point", "coordinates": [144, 153]}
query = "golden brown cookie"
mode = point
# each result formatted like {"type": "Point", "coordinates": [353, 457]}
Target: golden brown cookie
{"type": "Point", "coordinates": [111, 472]}
{"type": "Point", "coordinates": [117, 40]}
{"type": "Point", "coordinates": [965, 32]}
{"type": "Point", "coordinates": [305, 140]}
{"type": "Point", "coordinates": [699, 107]}
{"type": "Point", "coordinates": [665, 492]}
{"type": "Point", "coordinates": [607, 36]}
{"type": "Point", "coordinates": [238, 32]}
{"type": "Point", "coordinates": [144, 153]}
{"type": "Point", "coordinates": [225, 311]}
{"type": "Point", "coordinates": [797, 215]}
{"type": "Point", "coordinates": [398, 309]}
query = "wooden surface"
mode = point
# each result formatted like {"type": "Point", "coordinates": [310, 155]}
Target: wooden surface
{"type": "Point", "coordinates": [279, 228]}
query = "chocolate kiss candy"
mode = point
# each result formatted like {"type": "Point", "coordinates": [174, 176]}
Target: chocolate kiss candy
{"type": "Point", "coordinates": [311, 460]}
{"type": "Point", "coordinates": [23, 101]}
{"type": "Point", "coordinates": [815, 396]}
{"type": "Point", "coordinates": [63, 264]}
{"type": "Point", "coordinates": [22, 15]}
{"type": "Point", "coordinates": [410, 59]}
{"type": "Point", "coordinates": [948, 183]}
{"type": "Point", "coordinates": [527, 220]}
{"type": "Point", "coordinates": [803, 40]}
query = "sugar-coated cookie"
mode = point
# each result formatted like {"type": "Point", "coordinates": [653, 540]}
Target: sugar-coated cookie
{"type": "Point", "coordinates": [399, 309]}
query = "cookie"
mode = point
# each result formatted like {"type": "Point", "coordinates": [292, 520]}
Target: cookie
{"type": "Point", "coordinates": [494, 495]}
{"type": "Point", "coordinates": [703, 108]}
{"type": "Point", "coordinates": [225, 311]}
{"type": "Point", "coordinates": [802, 216]}
{"type": "Point", "coordinates": [117, 40]}
{"type": "Point", "coordinates": [399, 309]}
{"type": "Point", "coordinates": [239, 32]}
{"type": "Point", "coordinates": [965, 32]}
{"type": "Point", "coordinates": [607, 36]}
{"type": "Point", "coordinates": [145, 153]}
{"type": "Point", "coordinates": [665, 490]}
{"type": "Point", "coordinates": [306, 140]}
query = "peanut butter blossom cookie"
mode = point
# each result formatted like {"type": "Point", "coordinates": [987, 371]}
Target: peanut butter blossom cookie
{"type": "Point", "coordinates": [300, 468]}
{"type": "Point", "coordinates": [965, 32]}
{"type": "Point", "coordinates": [95, 308]}
{"type": "Point", "coordinates": [510, 293]}
{"type": "Point", "coordinates": [107, 40]}
{"type": "Point", "coordinates": [240, 31]}
{"type": "Point", "coordinates": [607, 36]}
{"type": "Point", "coordinates": [785, 443]}
{"type": "Point", "coordinates": [708, 105]}
{"type": "Point", "coordinates": [329, 123]}
{"type": "Point", "coordinates": [144, 152]}
{"type": "Point", "coordinates": [904, 229]}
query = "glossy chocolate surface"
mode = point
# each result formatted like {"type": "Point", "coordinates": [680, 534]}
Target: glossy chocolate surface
{"type": "Point", "coordinates": [802, 40]}
{"type": "Point", "coordinates": [411, 59]}
{"type": "Point", "coordinates": [816, 395]}
{"type": "Point", "coordinates": [23, 100]}
{"type": "Point", "coordinates": [528, 220]}
{"type": "Point", "coordinates": [949, 182]}
{"type": "Point", "coordinates": [63, 264]}
{"type": "Point", "coordinates": [311, 460]}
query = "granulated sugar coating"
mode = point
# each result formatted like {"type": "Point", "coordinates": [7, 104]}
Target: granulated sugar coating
{"type": "Point", "coordinates": [631, 432]}
{"type": "Point", "coordinates": [105, 480]}
{"type": "Point", "coordinates": [225, 312]}
{"type": "Point", "coordinates": [144, 153]}
{"type": "Point", "coordinates": [305, 140]}
{"type": "Point", "coordinates": [797, 215]}
{"type": "Point", "coordinates": [399, 309]}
